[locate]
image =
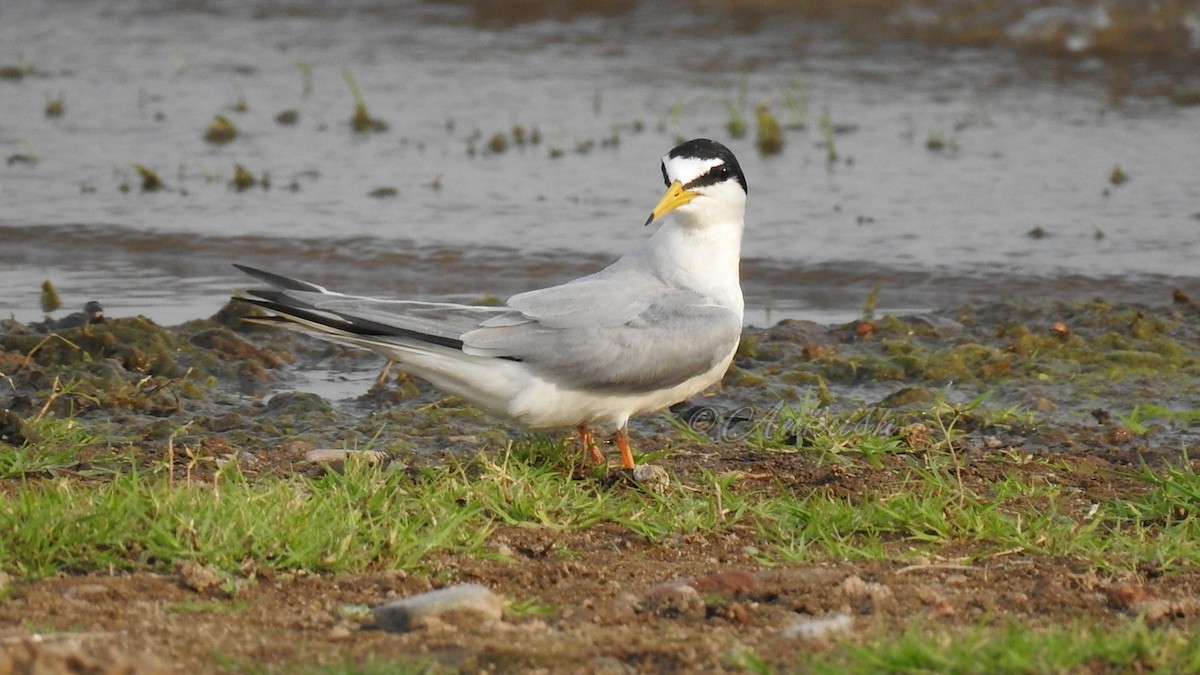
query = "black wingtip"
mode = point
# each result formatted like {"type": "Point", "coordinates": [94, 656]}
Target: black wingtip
{"type": "Point", "coordinates": [280, 281]}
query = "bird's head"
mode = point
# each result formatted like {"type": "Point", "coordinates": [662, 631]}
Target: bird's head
{"type": "Point", "coordinates": [705, 185]}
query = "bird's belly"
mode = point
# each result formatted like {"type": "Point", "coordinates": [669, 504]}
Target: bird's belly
{"type": "Point", "coordinates": [546, 405]}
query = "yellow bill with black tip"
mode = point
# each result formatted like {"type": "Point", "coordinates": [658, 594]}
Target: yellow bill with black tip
{"type": "Point", "coordinates": [676, 197]}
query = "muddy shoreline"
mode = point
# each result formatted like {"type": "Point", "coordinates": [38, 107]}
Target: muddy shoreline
{"type": "Point", "coordinates": [1082, 395]}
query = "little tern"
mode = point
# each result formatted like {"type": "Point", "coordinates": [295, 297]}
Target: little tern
{"type": "Point", "coordinates": [656, 327]}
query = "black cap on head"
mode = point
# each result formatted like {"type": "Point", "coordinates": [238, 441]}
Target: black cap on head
{"type": "Point", "coordinates": [703, 148]}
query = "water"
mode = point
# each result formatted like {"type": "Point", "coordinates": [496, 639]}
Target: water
{"type": "Point", "coordinates": [1034, 109]}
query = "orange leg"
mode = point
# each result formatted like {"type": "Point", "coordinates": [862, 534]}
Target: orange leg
{"type": "Point", "coordinates": [387, 370]}
{"type": "Point", "coordinates": [588, 438]}
{"type": "Point", "coordinates": [622, 439]}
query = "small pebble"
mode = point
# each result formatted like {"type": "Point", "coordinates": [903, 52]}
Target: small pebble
{"type": "Point", "coordinates": [470, 603]}
{"type": "Point", "coordinates": [332, 455]}
{"type": "Point", "coordinates": [198, 576]}
{"type": "Point", "coordinates": [87, 592]}
{"type": "Point", "coordinates": [673, 598]}
{"type": "Point", "coordinates": [815, 629]}
{"type": "Point", "coordinates": [1125, 595]}
{"type": "Point", "coordinates": [729, 582]}
{"type": "Point", "coordinates": [653, 478]}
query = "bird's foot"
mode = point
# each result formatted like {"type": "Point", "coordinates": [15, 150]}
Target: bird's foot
{"type": "Point", "coordinates": [587, 438]}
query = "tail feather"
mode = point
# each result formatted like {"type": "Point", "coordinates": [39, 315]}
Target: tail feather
{"type": "Point", "coordinates": [345, 326]}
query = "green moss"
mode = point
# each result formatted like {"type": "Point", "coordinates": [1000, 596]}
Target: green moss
{"type": "Point", "coordinates": [738, 377]}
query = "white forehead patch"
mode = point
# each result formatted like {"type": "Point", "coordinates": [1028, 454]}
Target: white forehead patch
{"type": "Point", "coordinates": [687, 169]}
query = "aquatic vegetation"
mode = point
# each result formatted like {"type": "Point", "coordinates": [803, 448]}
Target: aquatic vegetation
{"type": "Point", "coordinates": [826, 125]}
{"type": "Point", "coordinates": [50, 300]}
{"type": "Point", "coordinates": [150, 180]}
{"type": "Point", "coordinates": [769, 133]}
{"type": "Point", "coordinates": [1184, 97]}
{"type": "Point", "coordinates": [221, 131]}
{"type": "Point", "coordinates": [613, 139]}
{"type": "Point", "coordinates": [362, 122]}
{"type": "Point", "coordinates": [29, 157]}
{"type": "Point", "coordinates": [239, 105]}
{"type": "Point", "coordinates": [55, 106]}
{"type": "Point", "coordinates": [13, 72]}
{"type": "Point", "coordinates": [937, 141]}
{"type": "Point", "coordinates": [287, 118]}
{"type": "Point", "coordinates": [795, 99]}
{"type": "Point", "coordinates": [242, 179]}
{"type": "Point", "coordinates": [306, 80]}
{"type": "Point", "coordinates": [736, 125]}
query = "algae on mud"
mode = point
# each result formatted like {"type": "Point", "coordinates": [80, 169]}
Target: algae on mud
{"type": "Point", "coordinates": [225, 378]}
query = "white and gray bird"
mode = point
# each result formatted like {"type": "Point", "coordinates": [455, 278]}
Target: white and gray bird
{"type": "Point", "coordinates": [658, 326]}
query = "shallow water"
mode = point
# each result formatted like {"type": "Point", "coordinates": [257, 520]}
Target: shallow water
{"type": "Point", "coordinates": [1032, 130]}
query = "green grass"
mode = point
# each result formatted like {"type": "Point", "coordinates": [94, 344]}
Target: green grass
{"type": "Point", "coordinates": [909, 500]}
{"type": "Point", "coordinates": [1018, 649]}
{"type": "Point", "coordinates": [335, 523]}
{"type": "Point", "coordinates": [55, 450]}
{"type": "Point", "coordinates": [368, 518]}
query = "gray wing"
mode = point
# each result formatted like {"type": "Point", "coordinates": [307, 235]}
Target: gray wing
{"type": "Point", "coordinates": [630, 334]}
{"type": "Point", "coordinates": [623, 332]}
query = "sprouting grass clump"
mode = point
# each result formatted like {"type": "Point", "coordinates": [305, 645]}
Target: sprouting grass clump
{"type": "Point", "coordinates": [937, 141]}
{"type": "Point", "coordinates": [287, 118]}
{"type": "Point", "coordinates": [55, 107]}
{"type": "Point", "coordinates": [221, 131]}
{"type": "Point", "coordinates": [242, 178]}
{"type": "Point", "coordinates": [769, 131]}
{"type": "Point", "coordinates": [1117, 176]}
{"type": "Point", "coordinates": [498, 143]}
{"type": "Point", "coordinates": [736, 125]}
{"type": "Point", "coordinates": [306, 79]}
{"type": "Point", "coordinates": [827, 134]}
{"type": "Point", "coordinates": [1185, 97]}
{"type": "Point", "coordinates": [29, 156]}
{"type": "Point", "coordinates": [361, 121]}
{"type": "Point", "coordinates": [795, 99]}
{"type": "Point", "coordinates": [49, 299]}
{"type": "Point", "coordinates": [150, 180]}
{"type": "Point", "coordinates": [240, 105]}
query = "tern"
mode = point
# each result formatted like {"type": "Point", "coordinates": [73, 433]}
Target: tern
{"type": "Point", "coordinates": [656, 327]}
